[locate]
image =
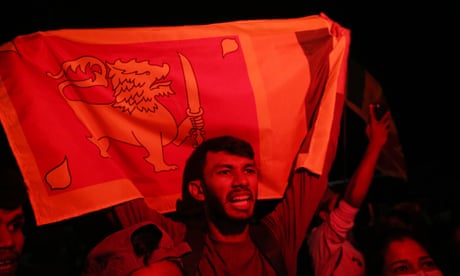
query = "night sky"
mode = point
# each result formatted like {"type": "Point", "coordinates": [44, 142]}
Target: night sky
{"type": "Point", "coordinates": [409, 49]}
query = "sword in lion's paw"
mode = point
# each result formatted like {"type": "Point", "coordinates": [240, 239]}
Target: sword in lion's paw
{"type": "Point", "coordinates": [194, 110]}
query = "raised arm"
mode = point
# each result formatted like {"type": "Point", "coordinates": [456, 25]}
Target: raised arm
{"type": "Point", "coordinates": [377, 134]}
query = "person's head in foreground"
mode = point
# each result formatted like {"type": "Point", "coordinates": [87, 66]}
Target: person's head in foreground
{"type": "Point", "coordinates": [13, 196]}
{"type": "Point", "coordinates": [401, 253]}
{"type": "Point", "coordinates": [222, 175]}
{"type": "Point", "coordinates": [141, 249]}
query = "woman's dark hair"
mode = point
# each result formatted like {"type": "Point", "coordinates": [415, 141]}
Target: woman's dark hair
{"type": "Point", "coordinates": [375, 253]}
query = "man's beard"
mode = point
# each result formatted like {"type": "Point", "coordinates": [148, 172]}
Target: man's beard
{"type": "Point", "coordinates": [225, 223]}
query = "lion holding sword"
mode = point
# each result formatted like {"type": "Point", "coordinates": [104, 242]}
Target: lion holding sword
{"type": "Point", "coordinates": [135, 116]}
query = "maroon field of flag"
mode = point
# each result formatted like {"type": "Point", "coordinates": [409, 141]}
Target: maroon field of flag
{"type": "Point", "coordinates": [97, 117]}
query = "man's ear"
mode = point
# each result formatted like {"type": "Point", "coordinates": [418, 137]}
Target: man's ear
{"type": "Point", "coordinates": [196, 190]}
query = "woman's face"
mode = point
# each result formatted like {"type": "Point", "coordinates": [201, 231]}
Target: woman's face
{"type": "Point", "coordinates": [408, 257]}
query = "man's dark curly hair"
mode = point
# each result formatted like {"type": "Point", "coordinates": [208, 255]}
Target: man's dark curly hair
{"type": "Point", "coordinates": [13, 190]}
{"type": "Point", "coordinates": [194, 165]}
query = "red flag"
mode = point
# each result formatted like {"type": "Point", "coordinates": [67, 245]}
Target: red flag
{"type": "Point", "coordinates": [96, 117]}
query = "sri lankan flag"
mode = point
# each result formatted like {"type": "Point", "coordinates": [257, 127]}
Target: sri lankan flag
{"type": "Point", "coordinates": [97, 117]}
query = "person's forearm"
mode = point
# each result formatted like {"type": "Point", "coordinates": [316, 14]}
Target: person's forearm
{"type": "Point", "coordinates": [362, 177]}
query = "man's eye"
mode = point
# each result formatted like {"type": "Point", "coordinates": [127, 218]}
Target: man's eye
{"type": "Point", "coordinates": [223, 172]}
{"type": "Point", "coordinates": [401, 269]}
{"type": "Point", "coordinates": [251, 171]}
{"type": "Point", "coordinates": [429, 265]}
{"type": "Point", "coordinates": [16, 226]}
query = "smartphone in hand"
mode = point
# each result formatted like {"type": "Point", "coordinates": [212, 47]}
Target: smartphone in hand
{"type": "Point", "coordinates": [379, 110]}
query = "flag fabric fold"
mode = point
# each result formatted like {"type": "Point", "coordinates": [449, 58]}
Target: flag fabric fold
{"type": "Point", "coordinates": [362, 90]}
{"type": "Point", "coordinates": [97, 117]}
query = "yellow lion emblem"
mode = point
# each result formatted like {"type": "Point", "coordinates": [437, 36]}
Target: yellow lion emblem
{"type": "Point", "coordinates": [135, 116]}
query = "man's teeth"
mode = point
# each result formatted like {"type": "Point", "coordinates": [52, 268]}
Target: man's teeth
{"type": "Point", "coordinates": [6, 262]}
{"type": "Point", "coordinates": [240, 198]}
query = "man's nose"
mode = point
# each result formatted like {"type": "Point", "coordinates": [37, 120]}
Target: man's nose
{"type": "Point", "coordinates": [241, 179]}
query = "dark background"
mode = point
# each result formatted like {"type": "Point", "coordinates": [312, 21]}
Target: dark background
{"type": "Point", "coordinates": [409, 48]}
